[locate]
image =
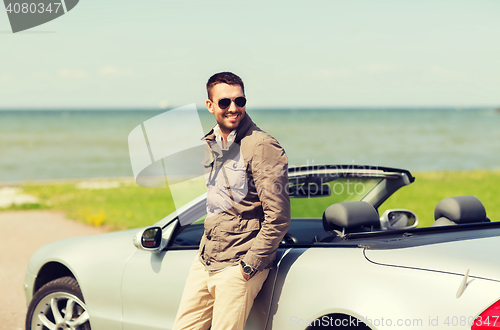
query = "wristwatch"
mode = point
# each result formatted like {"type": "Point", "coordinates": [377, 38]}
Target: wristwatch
{"type": "Point", "coordinates": [247, 269]}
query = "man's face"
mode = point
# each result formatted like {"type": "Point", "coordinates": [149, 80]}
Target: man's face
{"type": "Point", "coordinates": [229, 118]}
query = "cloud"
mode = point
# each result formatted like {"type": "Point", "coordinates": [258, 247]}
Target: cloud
{"type": "Point", "coordinates": [163, 104]}
{"type": "Point", "coordinates": [73, 73]}
{"type": "Point", "coordinates": [113, 71]}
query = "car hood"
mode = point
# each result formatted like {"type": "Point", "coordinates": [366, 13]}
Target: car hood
{"type": "Point", "coordinates": [477, 255]}
{"type": "Point", "coordinates": [78, 251]}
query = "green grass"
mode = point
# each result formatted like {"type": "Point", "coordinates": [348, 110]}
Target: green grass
{"type": "Point", "coordinates": [123, 207]}
{"type": "Point", "coordinates": [131, 206]}
{"type": "Point", "coordinates": [428, 189]}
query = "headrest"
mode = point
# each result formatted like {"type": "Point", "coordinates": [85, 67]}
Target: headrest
{"type": "Point", "coordinates": [443, 222]}
{"type": "Point", "coordinates": [461, 209]}
{"type": "Point", "coordinates": [348, 215]}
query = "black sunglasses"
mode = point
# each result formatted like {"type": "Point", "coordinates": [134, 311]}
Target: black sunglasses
{"type": "Point", "coordinates": [224, 103]}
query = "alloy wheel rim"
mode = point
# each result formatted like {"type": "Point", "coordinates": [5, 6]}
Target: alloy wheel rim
{"type": "Point", "coordinates": [59, 311]}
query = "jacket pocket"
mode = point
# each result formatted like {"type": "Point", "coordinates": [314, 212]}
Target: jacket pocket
{"type": "Point", "coordinates": [237, 237]}
{"type": "Point", "coordinates": [240, 226]}
{"type": "Point", "coordinates": [236, 175]}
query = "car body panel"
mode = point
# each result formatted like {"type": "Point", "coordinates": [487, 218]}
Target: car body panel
{"type": "Point", "coordinates": [97, 263]}
{"type": "Point", "coordinates": [148, 301]}
{"type": "Point", "coordinates": [452, 257]}
{"type": "Point", "coordinates": [337, 282]}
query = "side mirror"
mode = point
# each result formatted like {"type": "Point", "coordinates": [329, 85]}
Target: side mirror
{"type": "Point", "coordinates": [150, 239]}
{"type": "Point", "coordinates": [398, 219]}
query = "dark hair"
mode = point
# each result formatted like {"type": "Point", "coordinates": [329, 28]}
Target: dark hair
{"type": "Point", "coordinates": [223, 78]}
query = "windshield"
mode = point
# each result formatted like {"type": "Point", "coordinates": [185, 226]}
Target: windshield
{"type": "Point", "coordinates": [341, 190]}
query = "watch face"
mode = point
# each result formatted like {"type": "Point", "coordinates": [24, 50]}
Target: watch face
{"type": "Point", "coordinates": [247, 270]}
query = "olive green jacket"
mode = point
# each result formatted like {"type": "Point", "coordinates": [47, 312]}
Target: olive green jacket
{"type": "Point", "coordinates": [248, 208]}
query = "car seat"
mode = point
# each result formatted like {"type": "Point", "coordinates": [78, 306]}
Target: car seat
{"type": "Point", "coordinates": [347, 217]}
{"type": "Point", "coordinates": [458, 210]}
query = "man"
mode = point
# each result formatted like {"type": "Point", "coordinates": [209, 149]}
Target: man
{"type": "Point", "coordinates": [248, 213]}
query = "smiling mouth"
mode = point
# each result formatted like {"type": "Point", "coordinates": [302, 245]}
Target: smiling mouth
{"type": "Point", "coordinates": [233, 116]}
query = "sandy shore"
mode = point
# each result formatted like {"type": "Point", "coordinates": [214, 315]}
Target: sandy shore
{"type": "Point", "coordinates": [23, 232]}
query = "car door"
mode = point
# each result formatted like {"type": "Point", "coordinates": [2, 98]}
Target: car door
{"type": "Point", "coordinates": [152, 284]}
{"type": "Point", "coordinates": [152, 287]}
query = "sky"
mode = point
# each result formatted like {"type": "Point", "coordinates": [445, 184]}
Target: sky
{"type": "Point", "coordinates": [290, 54]}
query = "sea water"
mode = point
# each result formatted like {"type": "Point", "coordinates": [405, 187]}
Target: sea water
{"type": "Point", "coordinates": [41, 145]}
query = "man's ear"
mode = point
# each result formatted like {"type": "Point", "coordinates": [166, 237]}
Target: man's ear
{"type": "Point", "coordinates": [210, 106]}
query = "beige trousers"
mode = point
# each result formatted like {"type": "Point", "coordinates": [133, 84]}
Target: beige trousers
{"type": "Point", "coordinates": [221, 300]}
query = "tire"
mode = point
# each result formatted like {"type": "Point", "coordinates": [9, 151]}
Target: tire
{"type": "Point", "coordinates": [48, 309]}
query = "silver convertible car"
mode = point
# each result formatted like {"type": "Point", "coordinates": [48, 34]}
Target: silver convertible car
{"type": "Point", "coordinates": [341, 264]}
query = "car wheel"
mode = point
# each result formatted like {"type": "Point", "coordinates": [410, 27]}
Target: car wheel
{"type": "Point", "coordinates": [58, 305]}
